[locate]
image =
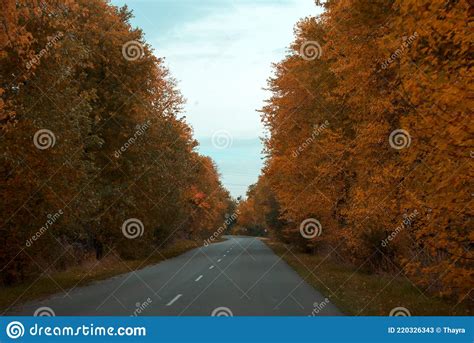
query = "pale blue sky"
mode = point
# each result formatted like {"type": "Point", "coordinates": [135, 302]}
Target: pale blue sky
{"type": "Point", "coordinates": [221, 52]}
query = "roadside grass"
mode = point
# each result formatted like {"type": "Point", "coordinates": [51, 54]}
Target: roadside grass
{"type": "Point", "coordinates": [357, 293]}
{"type": "Point", "coordinates": [84, 274]}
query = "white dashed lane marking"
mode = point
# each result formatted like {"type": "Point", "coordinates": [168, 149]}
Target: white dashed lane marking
{"type": "Point", "coordinates": [199, 278]}
{"type": "Point", "coordinates": [219, 260]}
{"type": "Point", "coordinates": [211, 267]}
{"type": "Point", "coordinates": [174, 299]}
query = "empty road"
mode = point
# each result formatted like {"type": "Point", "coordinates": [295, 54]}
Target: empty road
{"type": "Point", "coordinates": [240, 276]}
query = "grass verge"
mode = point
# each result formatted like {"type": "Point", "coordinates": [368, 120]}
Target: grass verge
{"type": "Point", "coordinates": [357, 293]}
{"type": "Point", "coordinates": [84, 274]}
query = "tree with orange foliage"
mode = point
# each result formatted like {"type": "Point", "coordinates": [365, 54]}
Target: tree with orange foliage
{"type": "Point", "coordinates": [93, 136]}
{"type": "Point", "coordinates": [386, 77]}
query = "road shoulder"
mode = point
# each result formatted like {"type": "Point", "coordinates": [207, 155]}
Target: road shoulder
{"type": "Point", "coordinates": [358, 293]}
{"type": "Point", "coordinates": [84, 275]}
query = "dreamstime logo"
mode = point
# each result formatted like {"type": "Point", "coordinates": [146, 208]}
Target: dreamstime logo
{"type": "Point", "coordinates": [44, 139]}
{"type": "Point", "coordinates": [407, 42]}
{"type": "Point", "coordinates": [132, 50]}
{"type": "Point", "coordinates": [141, 307]}
{"type": "Point", "coordinates": [310, 228]}
{"type": "Point", "coordinates": [317, 130]}
{"type": "Point", "coordinates": [140, 130]}
{"type": "Point", "coordinates": [407, 222]}
{"type": "Point", "coordinates": [222, 139]}
{"type": "Point", "coordinates": [49, 45]}
{"type": "Point", "coordinates": [222, 312]}
{"type": "Point", "coordinates": [52, 218]}
{"type": "Point", "coordinates": [400, 312]}
{"type": "Point", "coordinates": [132, 228]}
{"type": "Point", "coordinates": [399, 139]}
{"type": "Point", "coordinates": [318, 307]}
{"type": "Point", "coordinates": [228, 221]}
{"type": "Point", "coordinates": [310, 50]}
{"type": "Point", "coordinates": [15, 330]}
{"type": "Point", "coordinates": [44, 312]}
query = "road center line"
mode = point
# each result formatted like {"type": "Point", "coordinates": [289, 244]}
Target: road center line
{"type": "Point", "coordinates": [174, 299]}
{"type": "Point", "coordinates": [199, 278]}
{"type": "Point", "coordinates": [219, 260]}
{"type": "Point", "coordinates": [211, 267]}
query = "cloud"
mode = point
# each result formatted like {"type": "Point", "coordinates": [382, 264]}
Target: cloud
{"type": "Point", "coordinates": [224, 58]}
{"type": "Point", "coordinates": [221, 52]}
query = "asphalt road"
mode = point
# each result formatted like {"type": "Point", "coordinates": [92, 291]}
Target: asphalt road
{"type": "Point", "coordinates": [240, 276]}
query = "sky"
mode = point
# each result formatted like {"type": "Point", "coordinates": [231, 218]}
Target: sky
{"type": "Point", "coordinates": [221, 52]}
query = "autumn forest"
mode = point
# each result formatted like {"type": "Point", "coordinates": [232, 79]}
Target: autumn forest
{"type": "Point", "coordinates": [369, 151]}
{"type": "Point", "coordinates": [94, 145]}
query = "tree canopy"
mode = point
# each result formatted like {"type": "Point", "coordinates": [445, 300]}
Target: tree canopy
{"type": "Point", "coordinates": [369, 137]}
{"type": "Point", "coordinates": [96, 154]}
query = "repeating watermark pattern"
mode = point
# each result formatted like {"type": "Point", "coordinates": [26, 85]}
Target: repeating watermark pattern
{"type": "Point", "coordinates": [229, 220]}
{"type": "Point", "coordinates": [222, 139]}
{"type": "Point", "coordinates": [222, 312]}
{"type": "Point", "coordinates": [318, 129]}
{"type": "Point", "coordinates": [15, 330]}
{"type": "Point", "coordinates": [51, 44]}
{"type": "Point", "coordinates": [311, 50]}
{"type": "Point", "coordinates": [399, 139]}
{"type": "Point", "coordinates": [132, 50]}
{"type": "Point", "coordinates": [141, 307]}
{"type": "Point", "coordinates": [318, 307]}
{"type": "Point", "coordinates": [44, 312]}
{"type": "Point", "coordinates": [400, 312]}
{"type": "Point", "coordinates": [140, 130]}
{"type": "Point", "coordinates": [44, 139]}
{"type": "Point", "coordinates": [407, 42]}
{"type": "Point", "coordinates": [310, 228]}
{"type": "Point", "coordinates": [52, 218]}
{"type": "Point", "coordinates": [132, 228]}
{"type": "Point", "coordinates": [407, 222]}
